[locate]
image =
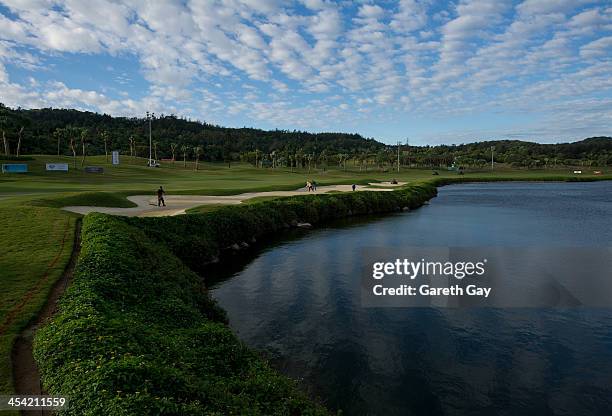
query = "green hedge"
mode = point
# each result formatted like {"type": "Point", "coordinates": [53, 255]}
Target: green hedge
{"type": "Point", "coordinates": [199, 238]}
{"type": "Point", "coordinates": [534, 178]}
{"type": "Point", "coordinates": [135, 334]}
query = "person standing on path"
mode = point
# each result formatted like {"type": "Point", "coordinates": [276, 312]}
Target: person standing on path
{"type": "Point", "coordinates": [160, 197]}
{"type": "Point", "coordinates": [354, 187]}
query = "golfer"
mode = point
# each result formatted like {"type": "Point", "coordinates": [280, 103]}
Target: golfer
{"type": "Point", "coordinates": [160, 197]}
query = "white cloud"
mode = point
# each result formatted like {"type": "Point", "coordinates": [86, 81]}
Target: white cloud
{"type": "Point", "coordinates": [385, 57]}
{"type": "Point", "coordinates": [599, 48]}
{"type": "Point", "coordinates": [532, 7]}
{"type": "Point", "coordinates": [411, 16]}
{"type": "Point", "coordinates": [370, 11]}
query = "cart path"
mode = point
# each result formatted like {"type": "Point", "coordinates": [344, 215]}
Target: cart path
{"type": "Point", "coordinates": [177, 204]}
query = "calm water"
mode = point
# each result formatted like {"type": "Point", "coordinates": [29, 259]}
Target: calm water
{"type": "Point", "coordinates": [299, 302]}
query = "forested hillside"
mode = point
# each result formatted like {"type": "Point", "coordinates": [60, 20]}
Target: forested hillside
{"type": "Point", "coordinates": [65, 131]}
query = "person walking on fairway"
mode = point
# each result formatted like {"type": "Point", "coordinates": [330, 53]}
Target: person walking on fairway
{"type": "Point", "coordinates": [160, 197]}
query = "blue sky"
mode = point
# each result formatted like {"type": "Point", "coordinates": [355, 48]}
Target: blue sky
{"type": "Point", "coordinates": [428, 71]}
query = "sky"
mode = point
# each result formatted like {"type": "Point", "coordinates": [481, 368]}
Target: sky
{"type": "Point", "coordinates": [427, 72]}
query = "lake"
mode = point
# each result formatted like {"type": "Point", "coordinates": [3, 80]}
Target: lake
{"type": "Point", "coordinates": [298, 301]}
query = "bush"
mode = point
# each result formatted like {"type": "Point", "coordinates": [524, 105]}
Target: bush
{"type": "Point", "coordinates": [199, 238]}
{"type": "Point", "coordinates": [136, 334]}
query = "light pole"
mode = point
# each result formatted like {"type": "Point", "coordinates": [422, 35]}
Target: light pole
{"type": "Point", "coordinates": [149, 117]}
{"type": "Point", "coordinates": [398, 155]}
{"type": "Point", "coordinates": [492, 149]}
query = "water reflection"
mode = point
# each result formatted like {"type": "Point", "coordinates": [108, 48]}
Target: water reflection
{"type": "Point", "coordinates": [299, 302]}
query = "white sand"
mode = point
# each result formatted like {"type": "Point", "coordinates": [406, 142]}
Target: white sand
{"type": "Point", "coordinates": [177, 204]}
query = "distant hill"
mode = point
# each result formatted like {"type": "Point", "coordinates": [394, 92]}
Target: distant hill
{"type": "Point", "coordinates": [249, 144]}
{"type": "Point", "coordinates": [217, 141]}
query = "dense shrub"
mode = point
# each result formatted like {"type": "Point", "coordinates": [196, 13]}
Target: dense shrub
{"type": "Point", "coordinates": [199, 238]}
{"type": "Point", "coordinates": [135, 334]}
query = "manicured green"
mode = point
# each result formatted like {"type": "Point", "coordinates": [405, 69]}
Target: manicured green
{"type": "Point", "coordinates": [96, 199]}
{"type": "Point", "coordinates": [136, 334]}
{"type": "Point", "coordinates": [133, 177]}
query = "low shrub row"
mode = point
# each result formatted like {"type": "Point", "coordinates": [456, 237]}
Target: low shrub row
{"type": "Point", "coordinates": [199, 238]}
{"type": "Point", "coordinates": [135, 334]}
{"type": "Point", "coordinates": [531, 178]}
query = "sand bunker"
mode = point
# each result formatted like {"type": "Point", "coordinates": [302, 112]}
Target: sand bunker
{"type": "Point", "coordinates": [178, 204]}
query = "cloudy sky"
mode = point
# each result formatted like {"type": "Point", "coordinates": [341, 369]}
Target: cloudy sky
{"type": "Point", "coordinates": [430, 71]}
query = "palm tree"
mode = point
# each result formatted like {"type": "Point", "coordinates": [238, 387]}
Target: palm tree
{"type": "Point", "coordinates": [132, 146]}
{"type": "Point", "coordinates": [184, 149]}
{"type": "Point", "coordinates": [104, 135]}
{"type": "Point", "coordinates": [58, 134]}
{"type": "Point", "coordinates": [83, 134]}
{"type": "Point", "coordinates": [20, 134]}
{"type": "Point", "coordinates": [173, 147]}
{"type": "Point", "coordinates": [4, 123]}
{"type": "Point", "coordinates": [197, 150]}
{"type": "Point", "coordinates": [73, 147]}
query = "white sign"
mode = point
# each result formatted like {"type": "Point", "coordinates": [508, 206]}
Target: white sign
{"type": "Point", "coordinates": [57, 166]}
{"type": "Point", "coordinates": [115, 157]}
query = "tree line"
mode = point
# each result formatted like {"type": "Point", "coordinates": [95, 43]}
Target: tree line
{"type": "Point", "coordinates": [72, 132]}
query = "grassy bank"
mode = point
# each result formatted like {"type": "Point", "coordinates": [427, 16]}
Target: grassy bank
{"type": "Point", "coordinates": [136, 334]}
{"type": "Point", "coordinates": [39, 241]}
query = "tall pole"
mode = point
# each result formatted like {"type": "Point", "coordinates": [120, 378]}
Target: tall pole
{"type": "Point", "coordinates": [149, 117]}
{"type": "Point", "coordinates": [398, 156]}
{"type": "Point", "coordinates": [150, 141]}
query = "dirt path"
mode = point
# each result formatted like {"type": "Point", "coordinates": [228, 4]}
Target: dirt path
{"type": "Point", "coordinates": [177, 204]}
{"type": "Point", "coordinates": [25, 372]}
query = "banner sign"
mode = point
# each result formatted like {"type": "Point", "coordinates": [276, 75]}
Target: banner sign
{"type": "Point", "coordinates": [94, 169]}
{"type": "Point", "coordinates": [14, 168]}
{"type": "Point", "coordinates": [115, 157]}
{"type": "Point", "coordinates": [57, 166]}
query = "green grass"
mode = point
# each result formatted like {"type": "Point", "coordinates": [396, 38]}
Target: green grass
{"type": "Point", "coordinates": [201, 209]}
{"type": "Point", "coordinates": [96, 199]}
{"type": "Point", "coordinates": [32, 224]}
{"type": "Point", "coordinates": [133, 177]}
{"type": "Point", "coordinates": [32, 258]}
